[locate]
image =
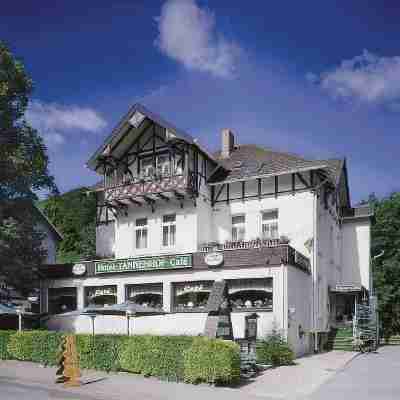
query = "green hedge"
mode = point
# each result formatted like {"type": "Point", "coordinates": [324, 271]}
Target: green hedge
{"type": "Point", "coordinates": [103, 352]}
{"type": "Point", "coordinates": [160, 356]}
{"type": "Point", "coordinates": [212, 361]}
{"type": "Point", "coordinates": [36, 346]}
{"type": "Point", "coordinates": [4, 339]}
{"type": "Point", "coordinates": [192, 359]}
{"type": "Point", "coordinates": [275, 351]}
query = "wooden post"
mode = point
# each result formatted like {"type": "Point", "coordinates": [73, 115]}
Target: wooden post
{"type": "Point", "coordinates": [69, 372]}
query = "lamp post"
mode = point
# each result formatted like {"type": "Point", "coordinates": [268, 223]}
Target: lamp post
{"type": "Point", "coordinates": [129, 314]}
{"type": "Point", "coordinates": [19, 312]}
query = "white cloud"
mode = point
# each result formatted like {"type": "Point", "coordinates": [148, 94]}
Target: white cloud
{"type": "Point", "coordinates": [53, 121]}
{"type": "Point", "coordinates": [187, 34]}
{"type": "Point", "coordinates": [367, 78]}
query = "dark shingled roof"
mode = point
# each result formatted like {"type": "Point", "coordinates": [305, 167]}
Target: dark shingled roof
{"type": "Point", "coordinates": [249, 160]}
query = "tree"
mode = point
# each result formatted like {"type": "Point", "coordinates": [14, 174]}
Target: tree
{"type": "Point", "coordinates": [386, 269]}
{"type": "Point", "coordinates": [23, 172]}
{"type": "Point", "coordinates": [74, 215]}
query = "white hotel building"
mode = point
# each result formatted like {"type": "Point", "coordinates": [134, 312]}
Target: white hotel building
{"type": "Point", "coordinates": [186, 231]}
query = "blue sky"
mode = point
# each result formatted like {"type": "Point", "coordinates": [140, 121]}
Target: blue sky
{"type": "Point", "coordinates": [321, 79]}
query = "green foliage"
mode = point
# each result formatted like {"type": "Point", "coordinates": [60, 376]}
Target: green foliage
{"type": "Point", "coordinates": [36, 346]}
{"type": "Point", "coordinates": [160, 356]}
{"type": "Point", "coordinates": [23, 157]}
{"type": "Point", "coordinates": [4, 339]}
{"type": "Point", "coordinates": [274, 350]}
{"type": "Point", "coordinates": [176, 358]}
{"type": "Point", "coordinates": [74, 214]}
{"type": "Point", "coordinates": [386, 269]}
{"type": "Point", "coordinates": [23, 171]}
{"type": "Point", "coordinates": [212, 361]}
{"type": "Point", "coordinates": [102, 353]}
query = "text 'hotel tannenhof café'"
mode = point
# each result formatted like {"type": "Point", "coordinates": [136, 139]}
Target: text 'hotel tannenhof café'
{"type": "Point", "coordinates": [215, 242]}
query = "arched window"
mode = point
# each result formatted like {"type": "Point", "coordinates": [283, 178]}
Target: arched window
{"type": "Point", "coordinates": [251, 293]}
{"type": "Point", "coordinates": [190, 296]}
{"type": "Point", "coordinates": [149, 294]}
{"type": "Point", "coordinates": [100, 296]}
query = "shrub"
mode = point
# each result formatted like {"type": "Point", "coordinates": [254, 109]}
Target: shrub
{"type": "Point", "coordinates": [4, 339]}
{"type": "Point", "coordinates": [160, 356]}
{"type": "Point", "coordinates": [274, 350]}
{"type": "Point", "coordinates": [36, 346]}
{"type": "Point", "coordinates": [102, 352]}
{"type": "Point", "coordinates": [212, 361]}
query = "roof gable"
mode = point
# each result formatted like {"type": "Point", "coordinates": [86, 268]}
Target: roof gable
{"type": "Point", "coordinates": [134, 122]}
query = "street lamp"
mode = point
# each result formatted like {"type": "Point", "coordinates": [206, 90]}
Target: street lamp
{"type": "Point", "coordinates": [19, 312]}
{"type": "Point", "coordinates": [129, 314]}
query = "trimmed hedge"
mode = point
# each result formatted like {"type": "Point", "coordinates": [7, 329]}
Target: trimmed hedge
{"type": "Point", "coordinates": [192, 359]}
{"type": "Point", "coordinates": [160, 356]}
{"type": "Point", "coordinates": [102, 353]}
{"type": "Point", "coordinates": [212, 361]}
{"type": "Point", "coordinates": [275, 352]}
{"type": "Point", "coordinates": [4, 339]}
{"type": "Point", "coordinates": [37, 346]}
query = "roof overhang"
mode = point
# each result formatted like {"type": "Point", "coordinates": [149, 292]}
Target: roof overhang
{"type": "Point", "coordinates": [135, 121]}
{"type": "Point", "coordinates": [289, 171]}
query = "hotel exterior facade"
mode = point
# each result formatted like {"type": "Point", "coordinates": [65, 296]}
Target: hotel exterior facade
{"type": "Point", "coordinates": [267, 235]}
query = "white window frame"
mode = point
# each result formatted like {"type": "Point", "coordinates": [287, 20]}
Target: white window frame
{"type": "Point", "coordinates": [168, 225]}
{"type": "Point", "coordinates": [140, 229]}
{"type": "Point", "coordinates": [237, 226]}
{"type": "Point", "coordinates": [269, 223]}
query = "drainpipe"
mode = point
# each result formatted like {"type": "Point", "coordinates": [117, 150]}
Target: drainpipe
{"type": "Point", "coordinates": [314, 272]}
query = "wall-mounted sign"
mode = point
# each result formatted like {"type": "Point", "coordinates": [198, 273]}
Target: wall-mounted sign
{"type": "Point", "coordinates": [214, 259]}
{"type": "Point", "coordinates": [79, 269]}
{"type": "Point", "coordinates": [143, 264]}
{"type": "Point", "coordinates": [347, 288]}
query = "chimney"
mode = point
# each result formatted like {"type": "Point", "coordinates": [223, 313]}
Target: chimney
{"type": "Point", "coordinates": [228, 142]}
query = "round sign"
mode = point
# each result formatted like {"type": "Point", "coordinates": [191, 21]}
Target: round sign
{"type": "Point", "coordinates": [79, 269]}
{"type": "Point", "coordinates": [214, 259]}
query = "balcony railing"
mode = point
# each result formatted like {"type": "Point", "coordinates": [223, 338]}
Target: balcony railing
{"type": "Point", "coordinates": [151, 185]}
{"type": "Point", "coordinates": [289, 255]}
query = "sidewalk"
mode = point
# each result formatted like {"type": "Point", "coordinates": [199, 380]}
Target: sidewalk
{"type": "Point", "coordinates": [281, 383]}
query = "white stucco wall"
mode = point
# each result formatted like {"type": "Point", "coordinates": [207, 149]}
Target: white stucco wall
{"type": "Point", "coordinates": [295, 218]}
{"type": "Point", "coordinates": [105, 239]}
{"type": "Point", "coordinates": [299, 296]}
{"type": "Point", "coordinates": [356, 252]}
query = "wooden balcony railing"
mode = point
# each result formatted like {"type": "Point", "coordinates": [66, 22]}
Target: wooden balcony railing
{"type": "Point", "coordinates": [154, 185]}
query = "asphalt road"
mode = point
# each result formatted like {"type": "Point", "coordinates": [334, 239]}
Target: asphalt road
{"type": "Point", "coordinates": [371, 376]}
{"type": "Point", "coordinates": [10, 390]}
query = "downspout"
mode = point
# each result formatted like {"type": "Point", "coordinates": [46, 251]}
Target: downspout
{"type": "Point", "coordinates": [314, 272]}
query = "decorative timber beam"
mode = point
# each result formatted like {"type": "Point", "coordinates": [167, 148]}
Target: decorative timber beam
{"type": "Point", "coordinates": [137, 203]}
{"type": "Point", "coordinates": [302, 180]}
{"type": "Point", "coordinates": [162, 196]}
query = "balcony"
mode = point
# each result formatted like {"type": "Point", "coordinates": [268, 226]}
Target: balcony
{"type": "Point", "coordinates": [259, 251]}
{"type": "Point", "coordinates": [149, 189]}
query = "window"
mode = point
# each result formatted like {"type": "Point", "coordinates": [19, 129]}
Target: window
{"type": "Point", "coordinates": [251, 293]}
{"type": "Point", "coordinates": [163, 164]}
{"type": "Point", "coordinates": [269, 225]}
{"type": "Point", "coordinates": [149, 294]}
{"type": "Point", "coordinates": [189, 296]}
{"type": "Point", "coordinates": [146, 167]}
{"type": "Point", "coordinates": [238, 227]}
{"type": "Point", "coordinates": [141, 233]}
{"type": "Point", "coordinates": [61, 300]}
{"type": "Point", "coordinates": [162, 167]}
{"type": "Point", "coordinates": [169, 230]}
{"type": "Point", "coordinates": [100, 296]}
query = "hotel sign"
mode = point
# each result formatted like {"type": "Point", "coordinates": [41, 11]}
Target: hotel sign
{"type": "Point", "coordinates": [143, 264]}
